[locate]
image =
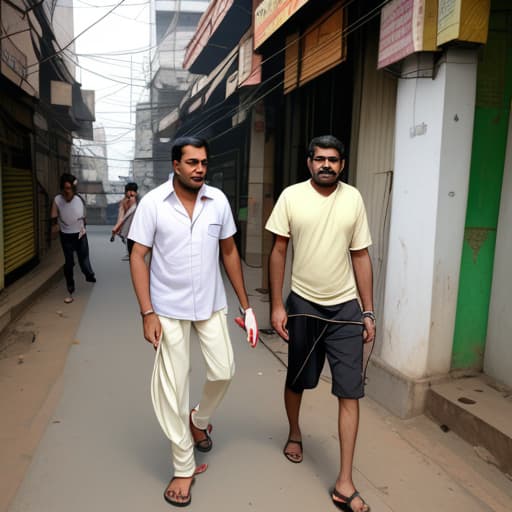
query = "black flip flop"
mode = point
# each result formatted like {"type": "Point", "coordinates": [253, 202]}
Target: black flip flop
{"type": "Point", "coordinates": [288, 454]}
{"type": "Point", "coordinates": [176, 503]}
{"type": "Point", "coordinates": [345, 504]}
{"type": "Point", "coordinates": [204, 445]}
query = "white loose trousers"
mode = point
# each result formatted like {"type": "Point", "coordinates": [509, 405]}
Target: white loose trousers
{"type": "Point", "coordinates": [170, 381]}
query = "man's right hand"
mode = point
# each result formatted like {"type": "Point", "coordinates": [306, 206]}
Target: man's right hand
{"type": "Point", "coordinates": [55, 232]}
{"type": "Point", "coordinates": [279, 319]}
{"type": "Point", "coordinates": [152, 329]}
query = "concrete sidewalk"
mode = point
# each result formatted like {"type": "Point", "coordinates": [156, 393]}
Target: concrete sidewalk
{"type": "Point", "coordinates": [21, 294]}
{"type": "Point", "coordinates": [103, 449]}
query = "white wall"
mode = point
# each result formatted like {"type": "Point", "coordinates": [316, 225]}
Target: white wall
{"type": "Point", "coordinates": [434, 124]}
{"type": "Point", "coordinates": [64, 30]}
{"type": "Point", "coordinates": [19, 62]}
{"type": "Point", "coordinates": [498, 353]}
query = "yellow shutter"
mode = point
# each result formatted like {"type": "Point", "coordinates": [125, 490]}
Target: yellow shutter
{"type": "Point", "coordinates": [291, 62]}
{"type": "Point", "coordinates": [19, 225]}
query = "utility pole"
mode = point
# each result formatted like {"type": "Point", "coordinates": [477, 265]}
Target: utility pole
{"type": "Point", "coordinates": [131, 87]}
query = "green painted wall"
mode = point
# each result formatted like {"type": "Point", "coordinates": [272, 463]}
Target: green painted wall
{"type": "Point", "coordinates": [494, 89]}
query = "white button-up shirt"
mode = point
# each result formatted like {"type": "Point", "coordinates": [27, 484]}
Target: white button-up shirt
{"type": "Point", "coordinates": [185, 278]}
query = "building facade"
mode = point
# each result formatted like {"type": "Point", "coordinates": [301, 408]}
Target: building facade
{"type": "Point", "coordinates": [172, 24]}
{"type": "Point", "coordinates": [41, 107]}
{"type": "Point", "coordinates": [419, 91]}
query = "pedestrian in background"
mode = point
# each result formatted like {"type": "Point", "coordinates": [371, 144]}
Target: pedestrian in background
{"type": "Point", "coordinates": [186, 225]}
{"type": "Point", "coordinates": [127, 207]}
{"type": "Point", "coordinates": [68, 218]}
{"type": "Point", "coordinates": [325, 220]}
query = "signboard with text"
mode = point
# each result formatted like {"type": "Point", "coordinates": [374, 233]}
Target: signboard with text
{"type": "Point", "coordinates": [272, 14]}
{"type": "Point", "coordinates": [463, 20]}
{"type": "Point", "coordinates": [406, 26]}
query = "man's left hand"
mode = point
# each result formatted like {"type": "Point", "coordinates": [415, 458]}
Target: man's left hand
{"type": "Point", "coordinates": [368, 330]}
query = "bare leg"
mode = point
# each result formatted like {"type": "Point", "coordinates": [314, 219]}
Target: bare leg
{"type": "Point", "coordinates": [292, 403]}
{"type": "Point", "coordinates": [348, 424]}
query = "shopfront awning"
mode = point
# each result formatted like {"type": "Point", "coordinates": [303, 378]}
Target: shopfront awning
{"type": "Point", "coordinates": [219, 30]}
{"type": "Point", "coordinates": [208, 103]}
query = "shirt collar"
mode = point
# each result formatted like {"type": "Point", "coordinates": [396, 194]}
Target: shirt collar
{"type": "Point", "coordinates": [204, 191]}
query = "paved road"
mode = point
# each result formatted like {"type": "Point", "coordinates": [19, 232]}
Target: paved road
{"type": "Point", "coordinates": [103, 449]}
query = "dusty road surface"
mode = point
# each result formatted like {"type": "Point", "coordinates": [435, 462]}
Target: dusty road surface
{"type": "Point", "coordinates": [33, 352]}
{"type": "Point", "coordinates": [103, 450]}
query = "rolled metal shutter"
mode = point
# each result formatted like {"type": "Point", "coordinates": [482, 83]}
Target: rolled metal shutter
{"type": "Point", "coordinates": [19, 225]}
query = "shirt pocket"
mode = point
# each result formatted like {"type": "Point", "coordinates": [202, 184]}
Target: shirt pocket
{"type": "Point", "coordinates": [214, 230]}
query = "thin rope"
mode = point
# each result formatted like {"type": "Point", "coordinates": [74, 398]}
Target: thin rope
{"type": "Point", "coordinates": [328, 321]}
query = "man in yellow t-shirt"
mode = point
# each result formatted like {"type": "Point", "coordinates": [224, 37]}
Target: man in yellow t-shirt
{"type": "Point", "coordinates": [325, 220]}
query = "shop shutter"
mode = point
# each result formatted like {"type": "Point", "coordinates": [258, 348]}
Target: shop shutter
{"type": "Point", "coordinates": [323, 46]}
{"type": "Point", "coordinates": [19, 226]}
{"type": "Point", "coordinates": [291, 65]}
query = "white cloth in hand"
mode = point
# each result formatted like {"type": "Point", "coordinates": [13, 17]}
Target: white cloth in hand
{"type": "Point", "coordinates": [251, 327]}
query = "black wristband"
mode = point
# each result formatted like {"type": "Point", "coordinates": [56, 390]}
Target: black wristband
{"type": "Point", "coordinates": [368, 314]}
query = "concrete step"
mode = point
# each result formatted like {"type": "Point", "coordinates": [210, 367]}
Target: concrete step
{"type": "Point", "coordinates": [478, 410]}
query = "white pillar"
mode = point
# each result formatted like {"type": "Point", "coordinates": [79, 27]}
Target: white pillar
{"type": "Point", "coordinates": [498, 361]}
{"type": "Point", "coordinates": [434, 128]}
{"type": "Point", "coordinates": [256, 187]}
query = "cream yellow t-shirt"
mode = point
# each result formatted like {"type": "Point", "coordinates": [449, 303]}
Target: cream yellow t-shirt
{"type": "Point", "coordinates": [322, 230]}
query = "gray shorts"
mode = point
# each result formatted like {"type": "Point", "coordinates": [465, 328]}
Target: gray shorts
{"type": "Point", "coordinates": [317, 331]}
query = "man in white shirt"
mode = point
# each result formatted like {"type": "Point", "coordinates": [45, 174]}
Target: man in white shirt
{"type": "Point", "coordinates": [68, 217]}
{"type": "Point", "coordinates": [186, 225]}
{"type": "Point", "coordinates": [325, 220]}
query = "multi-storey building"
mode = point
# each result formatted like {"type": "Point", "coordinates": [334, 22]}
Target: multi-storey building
{"type": "Point", "coordinates": [173, 24]}
{"type": "Point", "coordinates": [41, 107]}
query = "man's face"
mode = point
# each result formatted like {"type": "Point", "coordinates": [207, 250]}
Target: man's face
{"type": "Point", "coordinates": [191, 170]}
{"type": "Point", "coordinates": [325, 166]}
{"type": "Point", "coordinates": [131, 195]}
{"type": "Point", "coordinates": [67, 191]}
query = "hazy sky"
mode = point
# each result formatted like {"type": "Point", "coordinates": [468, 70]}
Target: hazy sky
{"type": "Point", "coordinates": [114, 61]}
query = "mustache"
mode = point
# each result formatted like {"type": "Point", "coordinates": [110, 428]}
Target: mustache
{"type": "Point", "coordinates": [327, 170]}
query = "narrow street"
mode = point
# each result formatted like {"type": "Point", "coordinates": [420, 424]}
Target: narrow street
{"type": "Point", "coordinates": [103, 449]}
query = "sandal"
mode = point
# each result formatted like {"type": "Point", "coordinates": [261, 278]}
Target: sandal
{"type": "Point", "coordinates": [296, 458]}
{"type": "Point", "coordinates": [345, 504]}
{"type": "Point", "coordinates": [178, 499]}
{"type": "Point", "coordinates": [170, 496]}
{"type": "Point", "coordinates": [205, 444]}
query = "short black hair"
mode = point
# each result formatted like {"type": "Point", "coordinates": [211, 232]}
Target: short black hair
{"type": "Point", "coordinates": [180, 142]}
{"type": "Point", "coordinates": [131, 187]}
{"type": "Point", "coordinates": [326, 142]}
{"type": "Point", "coordinates": [68, 178]}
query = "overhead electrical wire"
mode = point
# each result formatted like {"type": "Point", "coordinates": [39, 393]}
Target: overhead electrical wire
{"type": "Point", "coordinates": [252, 99]}
{"type": "Point", "coordinates": [119, 81]}
{"type": "Point", "coordinates": [101, 18]}
{"type": "Point", "coordinates": [87, 5]}
{"type": "Point", "coordinates": [121, 52]}
{"type": "Point", "coordinates": [239, 108]}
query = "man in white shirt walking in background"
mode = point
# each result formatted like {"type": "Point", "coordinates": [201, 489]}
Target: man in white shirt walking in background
{"type": "Point", "coordinates": [186, 225]}
{"type": "Point", "coordinates": [68, 217]}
